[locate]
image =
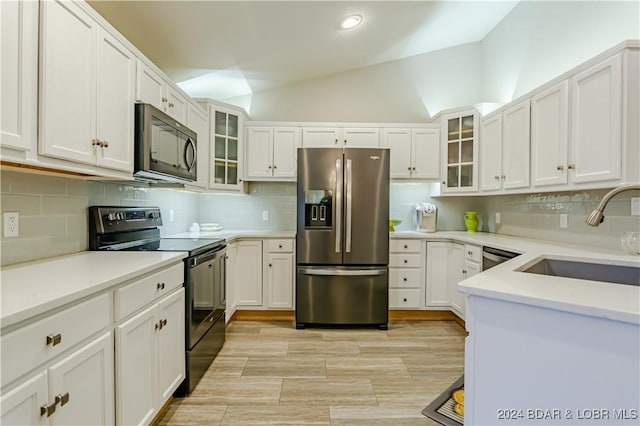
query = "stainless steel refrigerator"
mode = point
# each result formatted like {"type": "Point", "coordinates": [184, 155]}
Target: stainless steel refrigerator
{"type": "Point", "coordinates": [342, 237]}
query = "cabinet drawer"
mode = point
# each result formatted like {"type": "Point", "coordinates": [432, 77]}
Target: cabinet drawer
{"type": "Point", "coordinates": [404, 260]}
{"type": "Point", "coordinates": [139, 294]}
{"type": "Point", "coordinates": [404, 246]}
{"type": "Point", "coordinates": [401, 298]}
{"type": "Point", "coordinates": [28, 347]}
{"type": "Point", "coordinates": [473, 253]}
{"type": "Point", "coordinates": [280, 246]}
{"type": "Point", "coordinates": [404, 277]}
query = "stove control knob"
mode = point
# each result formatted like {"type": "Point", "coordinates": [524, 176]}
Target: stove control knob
{"type": "Point", "coordinates": [120, 216]}
{"type": "Point", "coordinates": [111, 216]}
{"type": "Point", "coordinates": [154, 215]}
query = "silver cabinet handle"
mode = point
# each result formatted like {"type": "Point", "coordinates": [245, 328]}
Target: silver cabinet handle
{"type": "Point", "coordinates": [338, 203]}
{"type": "Point", "coordinates": [349, 206]}
{"type": "Point", "coordinates": [62, 399]}
{"type": "Point", "coordinates": [54, 339]}
{"type": "Point", "coordinates": [160, 286]}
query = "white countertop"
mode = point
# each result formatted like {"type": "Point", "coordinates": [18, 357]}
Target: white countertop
{"type": "Point", "coordinates": [599, 299]}
{"type": "Point", "coordinates": [30, 289]}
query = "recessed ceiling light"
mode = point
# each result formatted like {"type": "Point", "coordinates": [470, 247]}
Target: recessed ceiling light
{"type": "Point", "coordinates": [351, 21]}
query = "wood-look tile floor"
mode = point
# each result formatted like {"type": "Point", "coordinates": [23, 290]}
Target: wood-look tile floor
{"type": "Point", "coordinates": [270, 373]}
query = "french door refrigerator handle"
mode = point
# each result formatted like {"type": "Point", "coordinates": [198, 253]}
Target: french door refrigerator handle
{"type": "Point", "coordinates": [338, 203]}
{"type": "Point", "coordinates": [348, 215]}
{"type": "Point", "coordinates": [343, 272]}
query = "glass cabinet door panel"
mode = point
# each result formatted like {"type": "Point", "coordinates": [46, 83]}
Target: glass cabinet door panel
{"type": "Point", "coordinates": [454, 129]}
{"type": "Point", "coordinates": [219, 172]}
{"type": "Point", "coordinates": [466, 175]}
{"type": "Point", "coordinates": [220, 149]}
{"type": "Point", "coordinates": [232, 149]}
{"type": "Point", "coordinates": [232, 173]}
{"type": "Point", "coordinates": [466, 154]}
{"type": "Point", "coordinates": [232, 126]}
{"type": "Point", "coordinates": [220, 123]}
{"type": "Point", "coordinates": [452, 176]}
{"type": "Point", "coordinates": [452, 152]}
{"type": "Point", "coordinates": [467, 126]}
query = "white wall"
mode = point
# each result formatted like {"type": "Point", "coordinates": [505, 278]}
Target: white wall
{"type": "Point", "coordinates": [540, 40]}
{"type": "Point", "coordinates": [409, 90]}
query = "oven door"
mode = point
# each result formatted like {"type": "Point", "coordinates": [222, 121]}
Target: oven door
{"type": "Point", "coordinates": [204, 289]}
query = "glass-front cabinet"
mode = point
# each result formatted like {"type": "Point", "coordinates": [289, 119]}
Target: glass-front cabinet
{"type": "Point", "coordinates": [460, 152]}
{"type": "Point", "coordinates": [226, 148]}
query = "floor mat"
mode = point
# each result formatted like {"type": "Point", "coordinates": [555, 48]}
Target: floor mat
{"type": "Point", "coordinates": [441, 409]}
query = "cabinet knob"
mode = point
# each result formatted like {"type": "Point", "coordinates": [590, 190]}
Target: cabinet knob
{"type": "Point", "coordinates": [269, 265]}
{"type": "Point", "coordinates": [406, 246]}
{"type": "Point", "coordinates": [171, 105]}
{"type": "Point", "coordinates": [345, 141]}
{"type": "Point", "coordinates": [496, 177]}
{"type": "Point", "coordinates": [560, 167]}
{"type": "Point", "coordinates": [404, 279]}
{"type": "Point", "coordinates": [104, 144]}
{"type": "Point", "coordinates": [160, 286]}
{"type": "Point", "coordinates": [408, 168]}
{"type": "Point", "coordinates": [413, 168]}
{"type": "Point", "coordinates": [464, 271]}
{"type": "Point", "coordinates": [504, 177]}
{"type": "Point", "coordinates": [164, 322]}
{"type": "Point", "coordinates": [62, 399]}
{"type": "Point", "coordinates": [275, 167]}
{"type": "Point", "coordinates": [404, 299]}
{"type": "Point", "coordinates": [269, 167]}
{"type": "Point", "coordinates": [158, 325]}
{"type": "Point", "coordinates": [571, 167]}
{"type": "Point", "coordinates": [336, 141]}
{"type": "Point", "coordinates": [444, 182]}
{"type": "Point", "coordinates": [279, 245]}
{"type": "Point", "coordinates": [95, 142]}
{"type": "Point", "coordinates": [54, 339]}
{"type": "Point", "coordinates": [164, 99]}
{"type": "Point", "coordinates": [406, 261]}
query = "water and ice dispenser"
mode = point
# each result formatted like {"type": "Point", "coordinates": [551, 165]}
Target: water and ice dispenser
{"type": "Point", "coordinates": [317, 208]}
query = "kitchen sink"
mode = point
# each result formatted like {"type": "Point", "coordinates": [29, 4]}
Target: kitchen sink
{"type": "Point", "coordinates": [619, 274]}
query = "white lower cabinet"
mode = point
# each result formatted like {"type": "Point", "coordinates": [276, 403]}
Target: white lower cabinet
{"type": "Point", "coordinates": [77, 390]}
{"type": "Point", "coordinates": [248, 273]}
{"type": "Point", "coordinates": [465, 262]}
{"type": "Point", "coordinates": [279, 274]}
{"type": "Point", "coordinates": [437, 284]}
{"type": "Point", "coordinates": [406, 273]}
{"type": "Point", "coordinates": [150, 359]}
{"type": "Point", "coordinates": [230, 281]}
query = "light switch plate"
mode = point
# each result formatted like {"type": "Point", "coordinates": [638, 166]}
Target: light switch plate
{"type": "Point", "coordinates": [265, 215]}
{"type": "Point", "coordinates": [635, 206]}
{"type": "Point", "coordinates": [497, 218]}
{"type": "Point", "coordinates": [563, 220]}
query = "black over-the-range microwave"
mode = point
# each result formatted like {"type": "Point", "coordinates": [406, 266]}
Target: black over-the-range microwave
{"type": "Point", "coordinates": [165, 150]}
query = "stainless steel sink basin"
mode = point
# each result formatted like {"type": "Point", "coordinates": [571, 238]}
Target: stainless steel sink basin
{"type": "Point", "coordinates": [618, 274]}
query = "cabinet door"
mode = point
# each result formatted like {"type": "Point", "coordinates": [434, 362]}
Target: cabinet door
{"type": "Point", "coordinates": [425, 154]}
{"type": "Point", "coordinates": [67, 82]}
{"type": "Point", "coordinates": [226, 155]}
{"type": "Point", "coordinates": [176, 105]}
{"type": "Point", "coordinates": [115, 90]}
{"type": "Point", "coordinates": [490, 162]}
{"type": "Point", "coordinates": [279, 281]}
{"type": "Point", "coordinates": [399, 143]}
{"type": "Point", "coordinates": [321, 137]}
{"type": "Point", "coordinates": [515, 146]}
{"type": "Point", "coordinates": [21, 406]}
{"type": "Point", "coordinates": [259, 152]}
{"type": "Point", "coordinates": [248, 277]}
{"type": "Point", "coordinates": [230, 284]}
{"type": "Point", "coordinates": [171, 345]}
{"type": "Point", "coordinates": [549, 136]}
{"type": "Point", "coordinates": [197, 121]}
{"type": "Point", "coordinates": [456, 274]}
{"type": "Point", "coordinates": [361, 138]}
{"type": "Point", "coordinates": [83, 383]}
{"type": "Point", "coordinates": [286, 141]}
{"type": "Point", "coordinates": [437, 293]}
{"type": "Point", "coordinates": [460, 152]}
{"type": "Point", "coordinates": [136, 369]}
{"type": "Point", "coordinates": [149, 86]}
{"type": "Point", "coordinates": [19, 75]}
{"type": "Point", "coordinates": [596, 117]}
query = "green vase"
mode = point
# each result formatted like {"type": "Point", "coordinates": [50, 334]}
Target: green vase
{"type": "Point", "coordinates": [471, 221]}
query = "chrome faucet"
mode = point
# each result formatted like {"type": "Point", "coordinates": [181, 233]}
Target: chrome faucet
{"type": "Point", "coordinates": [597, 216]}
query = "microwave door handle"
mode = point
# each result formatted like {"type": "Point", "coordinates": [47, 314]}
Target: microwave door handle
{"type": "Point", "coordinates": [191, 144]}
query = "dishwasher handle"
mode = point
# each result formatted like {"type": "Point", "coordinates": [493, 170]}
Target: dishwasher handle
{"type": "Point", "coordinates": [495, 258]}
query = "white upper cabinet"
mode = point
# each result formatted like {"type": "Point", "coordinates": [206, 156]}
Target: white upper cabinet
{"type": "Point", "coordinates": [549, 136]}
{"type": "Point", "coordinates": [515, 146]}
{"type": "Point", "coordinates": [415, 153]}
{"type": "Point", "coordinates": [86, 90]}
{"type": "Point", "coordinates": [460, 152]}
{"type": "Point", "coordinates": [596, 122]}
{"type": "Point", "coordinates": [19, 75]}
{"type": "Point", "coordinates": [338, 137]}
{"type": "Point", "coordinates": [151, 88]}
{"type": "Point", "coordinates": [198, 122]}
{"type": "Point", "coordinates": [504, 149]}
{"type": "Point", "coordinates": [271, 153]}
{"type": "Point", "coordinates": [226, 127]}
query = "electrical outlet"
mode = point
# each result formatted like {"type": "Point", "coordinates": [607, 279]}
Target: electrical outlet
{"type": "Point", "coordinates": [171, 216]}
{"type": "Point", "coordinates": [497, 218]}
{"type": "Point", "coordinates": [11, 224]}
{"type": "Point", "coordinates": [265, 215]}
{"type": "Point", "coordinates": [635, 206]}
{"type": "Point", "coordinates": [563, 220]}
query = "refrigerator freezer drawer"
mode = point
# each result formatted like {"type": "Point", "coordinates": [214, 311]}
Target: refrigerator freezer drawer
{"type": "Point", "coordinates": [342, 296]}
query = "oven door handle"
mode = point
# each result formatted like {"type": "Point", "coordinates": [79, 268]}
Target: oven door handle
{"type": "Point", "coordinates": [205, 257]}
{"type": "Point", "coordinates": [129, 244]}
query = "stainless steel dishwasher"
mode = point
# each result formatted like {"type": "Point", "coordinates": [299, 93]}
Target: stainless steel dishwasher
{"type": "Point", "coordinates": [492, 257]}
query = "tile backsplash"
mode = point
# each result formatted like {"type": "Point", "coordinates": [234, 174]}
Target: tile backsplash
{"type": "Point", "coordinates": [53, 211]}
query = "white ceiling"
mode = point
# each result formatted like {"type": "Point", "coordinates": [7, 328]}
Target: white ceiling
{"type": "Point", "coordinates": [222, 49]}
